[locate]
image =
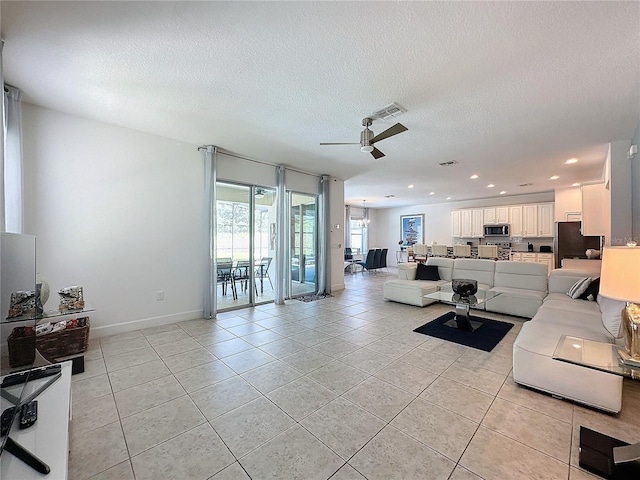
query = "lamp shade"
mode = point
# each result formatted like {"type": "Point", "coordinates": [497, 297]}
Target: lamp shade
{"type": "Point", "coordinates": [620, 275]}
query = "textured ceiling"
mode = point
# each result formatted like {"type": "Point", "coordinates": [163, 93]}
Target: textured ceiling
{"type": "Point", "coordinates": [509, 90]}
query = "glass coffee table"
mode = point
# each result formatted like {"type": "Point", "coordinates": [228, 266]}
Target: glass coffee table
{"type": "Point", "coordinates": [601, 454]}
{"type": "Point", "coordinates": [462, 306]}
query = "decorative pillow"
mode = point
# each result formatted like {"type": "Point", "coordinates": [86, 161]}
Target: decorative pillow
{"type": "Point", "coordinates": [591, 293]}
{"type": "Point", "coordinates": [427, 272]}
{"type": "Point", "coordinates": [579, 287]}
{"type": "Point", "coordinates": [612, 315]}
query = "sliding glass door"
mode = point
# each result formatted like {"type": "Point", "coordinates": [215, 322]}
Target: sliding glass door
{"type": "Point", "coordinates": [303, 210]}
{"type": "Point", "coordinates": [244, 248]}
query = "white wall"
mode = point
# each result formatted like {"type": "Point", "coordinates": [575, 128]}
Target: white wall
{"type": "Point", "coordinates": [568, 200]}
{"type": "Point", "coordinates": [385, 232]}
{"type": "Point", "coordinates": [120, 213]}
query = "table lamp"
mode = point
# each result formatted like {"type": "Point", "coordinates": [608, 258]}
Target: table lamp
{"type": "Point", "coordinates": [620, 280]}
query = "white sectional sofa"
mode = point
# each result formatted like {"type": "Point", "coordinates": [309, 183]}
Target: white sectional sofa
{"type": "Point", "coordinates": [526, 291]}
{"type": "Point", "coordinates": [559, 315]}
{"type": "Point", "coordinates": [522, 286]}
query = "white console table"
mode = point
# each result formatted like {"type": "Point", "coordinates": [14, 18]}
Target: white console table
{"type": "Point", "coordinates": [48, 438]}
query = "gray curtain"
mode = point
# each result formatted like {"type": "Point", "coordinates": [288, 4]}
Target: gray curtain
{"type": "Point", "coordinates": [347, 227]}
{"type": "Point", "coordinates": [211, 279]}
{"type": "Point", "coordinates": [2, 221]}
{"type": "Point", "coordinates": [324, 237]}
{"type": "Point", "coordinates": [281, 238]}
{"type": "Point", "coordinates": [13, 183]}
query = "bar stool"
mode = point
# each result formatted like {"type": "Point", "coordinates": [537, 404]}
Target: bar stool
{"type": "Point", "coordinates": [439, 250]}
{"type": "Point", "coordinates": [461, 251]}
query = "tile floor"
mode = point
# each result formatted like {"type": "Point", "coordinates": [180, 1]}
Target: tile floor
{"type": "Point", "coordinates": [339, 388]}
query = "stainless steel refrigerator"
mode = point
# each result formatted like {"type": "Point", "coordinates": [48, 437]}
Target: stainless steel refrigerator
{"type": "Point", "coordinates": [570, 243]}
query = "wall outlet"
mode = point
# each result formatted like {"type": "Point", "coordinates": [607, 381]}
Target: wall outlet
{"type": "Point", "coordinates": [160, 295]}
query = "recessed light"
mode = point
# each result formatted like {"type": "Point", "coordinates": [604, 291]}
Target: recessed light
{"type": "Point", "coordinates": [571, 160]}
{"type": "Point", "coordinates": [448, 198]}
{"type": "Point", "coordinates": [410, 186]}
{"type": "Point", "coordinates": [555, 177]}
{"type": "Point", "coordinates": [491, 185]}
{"type": "Point", "coordinates": [432, 193]}
{"type": "Point", "coordinates": [502, 192]}
{"type": "Point", "coordinates": [575, 184]}
{"type": "Point", "coordinates": [473, 177]}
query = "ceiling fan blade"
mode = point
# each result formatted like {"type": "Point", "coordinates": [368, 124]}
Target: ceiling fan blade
{"type": "Point", "coordinates": [389, 132]}
{"type": "Point", "coordinates": [334, 143]}
{"type": "Point", "coordinates": [377, 153]}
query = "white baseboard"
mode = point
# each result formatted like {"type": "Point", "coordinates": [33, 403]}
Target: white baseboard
{"type": "Point", "coordinates": [337, 287]}
{"type": "Point", "coordinates": [125, 327]}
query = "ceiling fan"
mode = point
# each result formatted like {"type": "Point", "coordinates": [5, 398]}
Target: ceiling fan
{"type": "Point", "coordinates": [367, 139]}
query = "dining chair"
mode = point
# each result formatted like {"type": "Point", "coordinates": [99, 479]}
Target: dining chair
{"type": "Point", "coordinates": [241, 274]}
{"type": "Point", "coordinates": [439, 250]}
{"type": "Point", "coordinates": [461, 251]}
{"type": "Point", "coordinates": [262, 272]}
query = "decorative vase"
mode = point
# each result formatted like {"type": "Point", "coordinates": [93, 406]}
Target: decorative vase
{"type": "Point", "coordinates": [464, 287]}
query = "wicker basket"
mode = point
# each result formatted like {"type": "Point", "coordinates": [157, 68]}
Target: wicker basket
{"type": "Point", "coordinates": [65, 342]}
{"type": "Point", "coordinates": [51, 346]}
{"type": "Point", "coordinates": [22, 347]}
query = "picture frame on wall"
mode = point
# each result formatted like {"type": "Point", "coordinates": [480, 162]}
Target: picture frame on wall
{"type": "Point", "coordinates": [411, 229]}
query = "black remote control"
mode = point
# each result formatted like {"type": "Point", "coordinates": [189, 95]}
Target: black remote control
{"type": "Point", "coordinates": [28, 414]}
{"type": "Point", "coordinates": [5, 420]}
{"type": "Point", "coordinates": [36, 373]}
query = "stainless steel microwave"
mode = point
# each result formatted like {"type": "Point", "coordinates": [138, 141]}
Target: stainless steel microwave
{"type": "Point", "coordinates": [496, 230]}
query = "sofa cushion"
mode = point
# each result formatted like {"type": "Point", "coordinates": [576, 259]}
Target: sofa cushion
{"type": "Point", "coordinates": [445, 266]}
{"type": "Point", "coordinates": [407, 271]}
{"type": "Point", "coordinates": [561, 279]}
{"type": "Point", "coordinates": [591, 293]}
{"type": "Point", "coordinates": [475, 269]}
{"type": "Point", "coordinates": [530, 276]}
{"type": "Point", "coordinates": [579, 287]}
{"type": "Point", "coordinates": [427, 272]}
{"type": "Point", "coordinates": [611, 315]}
{"type": "Point", "coordinates": [562, 302]}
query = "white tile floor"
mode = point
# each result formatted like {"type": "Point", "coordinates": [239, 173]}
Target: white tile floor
{"type": "Point", "coordinates": [339, 388]}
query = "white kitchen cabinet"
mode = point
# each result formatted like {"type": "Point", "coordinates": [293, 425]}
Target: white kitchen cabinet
{"type": "Point", "coordinates": [515, 221]}
{"type": "Point", "coordinates": [547, 259]}
{"type": "Point", "coordinates": [529, 257]}
{"type": "Point", "coordinates": [502, 215]}
{"type": "Point", "coordinates": [477, 223]}
{"type": "Point", "coordinates": [467, 223]}
{"type": "Point", "coordinates": [546, 222]}
{"type": "Point", "coordinates": [489, 216]}
{"type": "Point", "coordinates": [529, 220]}
{"type": "Point", "coordinates": [516, 256]}
{"type": "Point", "coordinates": [495, 215]}
{"type": "Point", "coordinates": [456, 223]}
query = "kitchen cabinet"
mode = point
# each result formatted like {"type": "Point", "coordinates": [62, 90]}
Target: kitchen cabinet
{"type": "Point", "coordinates": [477, 223]}
{"type": "Point", "coordinates": [495, 215]}
{"type": "Point", "coordinates": [489, 216]}
{"type": "Point", "coordinates": [546, 259]}
{"type": "Point", "coordinates": [456, 223]}
{"type": "Point", "coordinates": [515, 221]}
{"type": "Point", "coordinates": [529, 220]}
{"type": "Point", "coordinates": [467, 224]}
{"type": "Point", "coordinates": [546, 224]}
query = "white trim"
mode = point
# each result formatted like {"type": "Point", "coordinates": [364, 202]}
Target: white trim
{"type": "Point", "coordinates": [125, 327]}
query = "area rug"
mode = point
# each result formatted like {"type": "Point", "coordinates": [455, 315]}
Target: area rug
{"type": "Point", "coordinates": [484, 338]}
{"type": "Point", "coordinates": [311, 298]}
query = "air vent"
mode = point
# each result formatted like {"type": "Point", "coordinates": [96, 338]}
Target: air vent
{"type": "Point", "coordinates": [389, 111]}
{"type": "Point", "coordinates": [525, 184]}
{"type": "Point", "coordinates": [448, 164]}
{"type": "Point", "coordinates": [389, 196]}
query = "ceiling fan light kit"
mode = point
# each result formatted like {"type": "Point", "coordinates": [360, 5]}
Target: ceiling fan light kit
{"type": "Point", "coordinates": [367, 138]}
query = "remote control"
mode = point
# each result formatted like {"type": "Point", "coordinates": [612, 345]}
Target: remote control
{"type": "Point", "coordinates": [28, 414]}
{"type": "Point", "coordinates": [18, 378]}
{"type": "Point", "coordinates": [5, 420]}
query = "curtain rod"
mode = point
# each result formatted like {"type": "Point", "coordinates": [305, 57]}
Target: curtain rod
{"type": "Point", "coordinates": [261, 162]}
